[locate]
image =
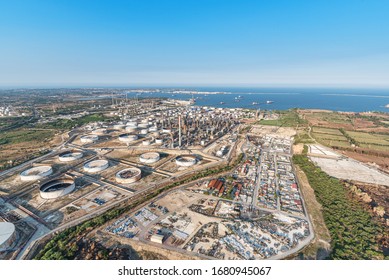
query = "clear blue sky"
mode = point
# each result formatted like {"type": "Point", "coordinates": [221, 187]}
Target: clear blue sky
{"type": "Point", "coordinates": [194, 42]}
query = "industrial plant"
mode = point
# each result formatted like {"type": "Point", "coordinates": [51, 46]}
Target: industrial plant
{"type": "Point", "coordinates": [104, 165]}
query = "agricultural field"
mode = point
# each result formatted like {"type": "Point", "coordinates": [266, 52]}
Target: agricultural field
{"type": "Point", "coordinates": [330, 137]}
{"type": "Point", "coordinates": [369, 138]}
{"type": "Point", "coordinates": [288, 118]}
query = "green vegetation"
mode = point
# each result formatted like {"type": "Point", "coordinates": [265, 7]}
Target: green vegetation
{"type": "Point", "coordinates": [289, 118]}
{"type": "Point", "coordinates": [65, 124]}
{"type": "Point", "coordinates": [353, 232]}
{"type": "Point", "coordinates": [25, 135]}
{"type": "Point", "coordinates": [325, 130]}
{"type": "Point", "coordinates": [349, 138]}
{"type": "Point", "coordinates": [63, 246]}
{"type": "Point", "coordinates": [369, 138]}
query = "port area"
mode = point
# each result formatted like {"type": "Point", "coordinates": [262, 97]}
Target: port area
{"type": "Point", "coordinates": [255, 211]}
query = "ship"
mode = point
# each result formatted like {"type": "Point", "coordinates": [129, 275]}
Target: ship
{"type": "Point", "coordinates": [387, 106]}
{"type": "Point", "coordinates": [269, 102]}
{"type": "Point", "coordinates": [255, 103]}
{"type": "Point", "coordinates": [221, 102]}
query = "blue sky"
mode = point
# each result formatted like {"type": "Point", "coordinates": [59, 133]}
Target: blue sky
{"type": "Point", "coordinates": [214, 42]}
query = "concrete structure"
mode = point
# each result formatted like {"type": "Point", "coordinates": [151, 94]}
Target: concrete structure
{"type": "Point", "coordinates": [149, 157]}
{"type": "Point", "coordinates": [146, 142]}
{"type": "Point", "coordinates": [7, 235]}
{"type": "Point", "coordinates": [56, 188]}
{"type": "Point", "coordinates": [87, 139]}
{"type": "Point", "coordinates": [36, 173]}
{"type": "Point", "coordinates": [96, 166]}
{"type": "Point", "coordinates": [99, 131]}
{"type": "Point", "coordinates": [128, 138]}
{"type": "Point", "coordinates": [144, 131]}
{"type": "Point", "coordinates": [70, 156]}
{"type": "Point", "coordinates": [186, 160]}
{"type": "Point", "coordinates": [131, 129]}
{"type": "Point", "coordinates": [128, 175]}
{"type": "Point", "coordinates": [157, 238]}
{"type": "Point", "coordinates": [143, 125]}
{"type": "Point", "coordinates": [119, 126]}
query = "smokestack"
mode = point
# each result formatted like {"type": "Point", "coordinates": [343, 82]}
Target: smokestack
{"type": "Point", "coordinates": [179, 131]}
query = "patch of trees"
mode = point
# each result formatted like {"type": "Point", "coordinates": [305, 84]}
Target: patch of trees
{"type": "Point", "coordinates": [353, 232]}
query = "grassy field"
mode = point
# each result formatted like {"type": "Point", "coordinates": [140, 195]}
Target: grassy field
{"type": "Point", "coordinates": [288, 118]}
{"type": "Point", "coordinates": [369, 138]}
{"type": "Point", "coordinates": [330, 137]}
{"type": "Point", "coordinates": [325, 130]}
{"type": "Point", "coordinates": [25, 135]}
{"type": "Point", "coordinates": [375, 147]}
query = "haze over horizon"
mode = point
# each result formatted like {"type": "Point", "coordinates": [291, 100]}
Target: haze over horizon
{"type": "Point", "coordinates": [194, 43]}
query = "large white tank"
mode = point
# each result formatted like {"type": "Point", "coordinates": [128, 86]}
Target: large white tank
{"type": "Point", "coordinates": [36, 173]}
{"type": "Point", "coordinates": [70, 156]}
{"type": "Point", "coordinates": [128, 138]}
{"type": "Point", "coordinates": [128, 175]}
{"type": "Point", "coordinates": [96, 166]}
{"type": "Point", "coordinates": [149, 157]}
{"type": "Point", "coordinates": [56, 188]}
{"type": "Point", "coordinates": [7, 235]}
{"type": "Point", "coordinates": [186, 160]}
{"type": "Point", "coordinates": [86, 139]}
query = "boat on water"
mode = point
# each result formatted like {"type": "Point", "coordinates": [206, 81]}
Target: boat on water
{"type": "Point", "coordinates": [221, 102]}
{"type": "Point", "coordinates": [387, 106]}
{"type": "Point", "coordinates": [269, 102]}
{"type": "Point", "coordinates": [255, 103]}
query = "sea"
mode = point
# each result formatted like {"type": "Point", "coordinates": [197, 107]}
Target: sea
{"type": "Point", "coordinates": [345, 100]}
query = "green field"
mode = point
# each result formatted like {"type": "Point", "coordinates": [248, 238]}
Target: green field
{"type": "Point", "coordinates": [330, 137]}
{"type": "Point", "coordinates": [375, 147]}
{"type": "Point", "coordinates": [325, 130]}
{"type": "Point", "coordinates": [369, 138]}
{"type": "Point", "coordinates": [25, 135]}
{"type": "Point", "coordinates": [334, 143]}
{"type": "Point", "coordinates": [288, 118]}
{"type": "Point", "coordinates": [333, 117]}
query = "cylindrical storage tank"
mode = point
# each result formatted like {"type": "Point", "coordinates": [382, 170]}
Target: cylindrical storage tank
{"type": "Point", "coordinates": [36, 173]}
{"type": "Point", "coordinates": [128, 175]}
{"type": "Point", "coordinates": [143, 125]}
{"type": "Point", "coordinates": [96, 165]}
{"type": "Point", "coordinates": [132, 123]}
{"type": "Point", "coordinates": [149, 157]}
{"type": "Point", "coordinates": [56, 188]}
{"type": "Point", "coordinates": [7, 235]}
{"type": "Point", "coordinates": [131, 129]}
{"type": "Point", "coordinates": [146, 142]}
{"type": "Point", "coordinates": [89, 138]}
{"type": "Point", "coordinates": [158, 141]}
{"type": "Point", "coordinates": [119, 126]}
{"type": "Point", "coordinates": [70, 156]}
{"type": "Point", "coordinates": [186, 160]}
{"type": "Point", "coordinates": [100, 131]}
{"type": "Point", "coordinates": [128, 138]}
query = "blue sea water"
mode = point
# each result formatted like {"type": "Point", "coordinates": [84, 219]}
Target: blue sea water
{"type": "Point", "coordinates": [355, 100]}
